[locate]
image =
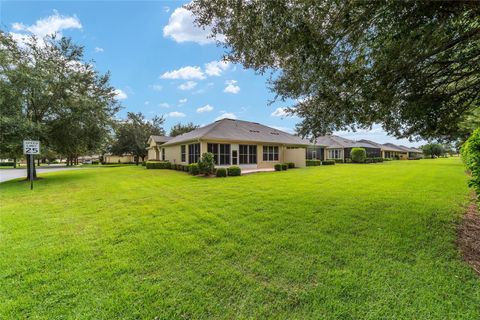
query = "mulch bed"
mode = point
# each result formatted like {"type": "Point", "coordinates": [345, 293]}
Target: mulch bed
{"type": "Point", "coordinates": [469, 236]}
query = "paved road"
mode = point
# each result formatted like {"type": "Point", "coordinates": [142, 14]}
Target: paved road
{"type": "Point", "coordinates": [10, 174]}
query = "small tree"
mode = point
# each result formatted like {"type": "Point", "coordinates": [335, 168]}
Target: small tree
{"type": "Point", "coordinates": [358, 155]}
{"type": "Point", "coordinates": [206, 164]}
{"type": "Point", "coordinates": [433, 150]}
{"type": "Point", "coordinates": [179, 129]}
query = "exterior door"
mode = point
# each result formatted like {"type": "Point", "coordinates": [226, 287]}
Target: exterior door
{"type": "Point", "coordinates": [234, 157]}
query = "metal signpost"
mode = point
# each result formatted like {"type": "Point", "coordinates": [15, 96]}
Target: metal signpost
{"type": "Point", "coordinates": [31, 148]}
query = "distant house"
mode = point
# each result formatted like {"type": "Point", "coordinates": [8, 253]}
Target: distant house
{"type": "Point", "coordinates": [154, 150]}
{"type": "Point", "coordinates": [126, 158]}
{"type": "Point", "coordinates": [331, 147]}
{"type": "Point", "coordinates": [233, 142]}
{"type": "Point", "coordinates": [412, 153]}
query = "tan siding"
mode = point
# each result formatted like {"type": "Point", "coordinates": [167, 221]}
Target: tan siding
{"type": "Point", "coordinates": [296, 156]}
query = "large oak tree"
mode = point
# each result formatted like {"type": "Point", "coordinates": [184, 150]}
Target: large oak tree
{"type": "Point", "coordinates": [411, 66]}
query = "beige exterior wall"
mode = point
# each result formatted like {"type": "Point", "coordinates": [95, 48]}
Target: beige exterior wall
{"type": "Point", "coordinates": [119, 159]}
{"type": "Point", "coordinates": [153, 154]}
{"type": "Point", "coordinates": [172, 153]}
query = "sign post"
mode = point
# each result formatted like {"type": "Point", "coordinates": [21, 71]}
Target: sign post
{"type": "Point", "coordinates": [30, 148]}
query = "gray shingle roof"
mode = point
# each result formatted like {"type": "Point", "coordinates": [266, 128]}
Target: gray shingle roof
{"type": "Point", "coordinates": [238, 130]}
{"type": "Point", "coordinates": [392, 147]}
{"type": "Point", "coordinates": [161, 139]}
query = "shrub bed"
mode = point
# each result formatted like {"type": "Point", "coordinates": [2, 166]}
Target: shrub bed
{"type": "Point", "coordinates": [221, 172]}
{"type": "Point", "coordinates": [312, 163]}
{"type": "Point", "coordinates": [337, 160]}
{"type": "Point", "coordinates": [158, 165]}
{"type": "Point", "coordinates": [328, 162]}
{"type": "Point", "coordinates": [284, 166]}
{"type": "Point", "coordinates": [234, 171]}
{"type": "Point", "coordinates": [193, 169]}
{"type": "Point", "coordinates": [7, 164]}
{"type": "Point", "coordinates": [278, 167]}
{"type": "Point", "coordinates": [291, 165]}
{"type": "Point", "coordinates": [373, 160]}
{"type": "Point", "coordinates": [471, 156]}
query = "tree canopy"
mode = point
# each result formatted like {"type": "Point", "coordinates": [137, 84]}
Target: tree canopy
{"type": "Point", "coordinates": [48, 93]}
{"type": "Point", "coordinates": [131, 135]}
{"type": "Point", "coordinates": [411, 66]}
{"type": "Point", "coordinates": [179, 128]}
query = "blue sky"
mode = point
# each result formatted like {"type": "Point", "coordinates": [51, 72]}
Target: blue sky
{"type": "Point", "coordinates": [159, 62]}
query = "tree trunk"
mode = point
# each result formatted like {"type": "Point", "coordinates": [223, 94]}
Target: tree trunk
{"type": "Point", "coordinates": [38, 162]}
{"type": "Point", "coordinates": [136, 160]}
{"type": "Point", "coordinates": [15, 163]}
{"type": "Point", "coordinates": [29, 162]}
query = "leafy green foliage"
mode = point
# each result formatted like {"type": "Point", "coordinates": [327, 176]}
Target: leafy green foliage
{"type": "Point", "coordinates": [358, 155]}
{"type": "Point", "coordinates": [131, 135]}
{"type": "Point", "coordinates": [206, 165]}
{"type": "Point", "coordinates": [433, 150]}
{"type": "Point", "coordinates": [221, 172]}
{"type": "Point", "coordinates": [158, 165]}
{"type": "Point", "coordinates": [471, 156]}
{"type": "Point", "coordinates": [411, 66]}
{"type": "Point", "coordinates": [179, 128]}
{"type": "Point", "coordinates": [193, 169]}
{"type": "Point", "coordinates": [234, 171]}
{"type": "Point", "coordinates": [277, 167]}
{"type": "Point", "coordinates": [291, 165]}
{"type": "Point", "coordinates": [311, 163]}
{"type": "Point", "coordinates": [328, 162]}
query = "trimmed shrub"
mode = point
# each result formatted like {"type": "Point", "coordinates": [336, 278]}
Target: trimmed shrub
{"type": "Point", "coordinates": [206, 165]}
{"type": "Point", "coordinates": [278, 167]}
{"type": "Point", "coordinates": [358, 155]}
{"type": "Point", "coordinates": [7, 164]}
{"type": "Point", "coordinates": [144, 163]}
{"type": "Point", "coordinates": [337, 160]}
{"type": "Point", "coordinates": [312, 163]}
{"type": "Point", "coordinates": [158, 165]}
{"type": "Point", "coordinates": [471, 156]}
{"type": "Point", "coordinates": [234, 171]}
{"type": "Point", "coordinates": [193, 169]}
{"type": "Point", "coordinates": [387, 159]}
{"type": "Point", "coordinates": [291, 165]}
{"type": "Point", "coordinates": [95, 162]}
{"type": "Point", "coordinates": [221, 172]}
{"type": "Point", "coordinates": [284, 166]}
{"type": "Point", "coordinates": [328, 162]}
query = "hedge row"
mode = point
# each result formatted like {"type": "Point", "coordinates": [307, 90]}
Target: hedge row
{"type": "Point", "coordinates": [192, 168]}
{"type": "Point", "coordinates": [312, 163]}
{"type": "Point", "coordinates": [471, 156]}
{"type": "Point", "coordinates": [7, 164]}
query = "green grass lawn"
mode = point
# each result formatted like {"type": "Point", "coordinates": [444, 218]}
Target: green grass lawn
{"type": "Point", "coordinates": [335, 242]}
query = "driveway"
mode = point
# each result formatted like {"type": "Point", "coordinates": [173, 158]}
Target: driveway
{"type": "Point", "coordinates": [10, 174]}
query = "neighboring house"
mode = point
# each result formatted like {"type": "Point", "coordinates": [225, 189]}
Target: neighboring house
{"type": "Point", "coordinates": [154, 150]}
{"type": "Point", "coordinates": [412, 153]}
{"type": "Point", "coordinates": [236, 142]}
{"type": "Point", "coordinates": [392, 151]}
{"type": "Point", "coordinates": [338, 148]}
{"type": "Point", "coordinates": [126, 158]}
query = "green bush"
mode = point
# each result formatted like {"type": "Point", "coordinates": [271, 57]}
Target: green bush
{"type": "Point", "coordinates": [158, 165]}
{"type": "Point", "coordinates": [358, 155]}
{"type": "Point", "coordinates": [328, 162]}
{"type": "Point", "coordinates": [234, 171]}
{"type": "Point", "coordinates": [193, 169]}
{"type": "Point", "coordinates": [95, 162]}
{"type": "Point", "coordinates": [291, 165]}
{"type": "Point", "coordinates": [387, 159]}
{"type": "Point", "coordinates": [7, 164]}
{"type": "Point", "coordinates": [312, 163]}
{"type": "Point", "coordinates": [221, 172]}
{"type": "Point", "coordinates": [337, 160]}
{"type": "Point", "coordinates": [206, 164]}
{"type": "Point", "coordinates": [471, 156]}
{"type": "Point", "coordinates": [278, 167]}
{"type": "Point", "coordinates": [284, 166]}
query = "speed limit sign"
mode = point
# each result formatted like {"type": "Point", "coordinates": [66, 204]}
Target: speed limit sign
{"type": "Point", "coordinates": [31, 147]}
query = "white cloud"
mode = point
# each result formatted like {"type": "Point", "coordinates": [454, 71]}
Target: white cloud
{"type": "Point", "coordinates": [166, 9]}
{"type": "Point", "coordinates": [156, 87]}
{"type": "Point", "coordinates": [189, 85]}
{"type": "Point", "coordinates": [176, 114]}
{"type": "Point", "coordinates": [183, 101]}
{"type": "Point", "coordinates": [181, 28]}
{"type": "Point", "coordinates": [147, 103]}
{"type": "Point", "coordinates": [164, 105]}
{"type": "Point", "coordinates": [231, 87]}
{"type": "Point", "coordinates": [120, 95]}
{"type": "Point", "coordinates": [205, 108]}
{"type": "Point", "coordinates": [226, 115]}
{"type": "Point", "coordinates": [185, 73]}
{"type": "Point", "coordinates": [280, 112]}
{"type": "Point", "coordinates": [98, 49]}
{"type": "Point", "coordinates": [216, 68]}
{"type": "Point", "coordinates": [49, 25]}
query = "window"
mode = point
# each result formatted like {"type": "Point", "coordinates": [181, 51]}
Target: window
{"type": "Point", "coordinates": [221, 153]}
{"type": "Point", "coordinates": [183, 152]}
{"type": "Point", "coordinates": [163, 154]}
{"type": "Point", "coordinates": [193, 152]}
{"type": "Point", "coordinates": [335, 154]}
{"type": "Point", "coordinates": [270, 153]}
{"type": "Point", "coordinates": [248, 154]}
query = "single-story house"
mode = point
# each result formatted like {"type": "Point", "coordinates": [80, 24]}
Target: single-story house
{"type": "Point", "coordinates": [331, 147]}
{"type": "Point", "coordinates": [154, 143]}
{"type": "Point", "coordinates": [392, 151]}
{"type": "Point", "coordinates": [412, 153]}
{"type": "Point", "coordinates": [126, 158]}
{"type": "Point", "coordinates": [249, 145]}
